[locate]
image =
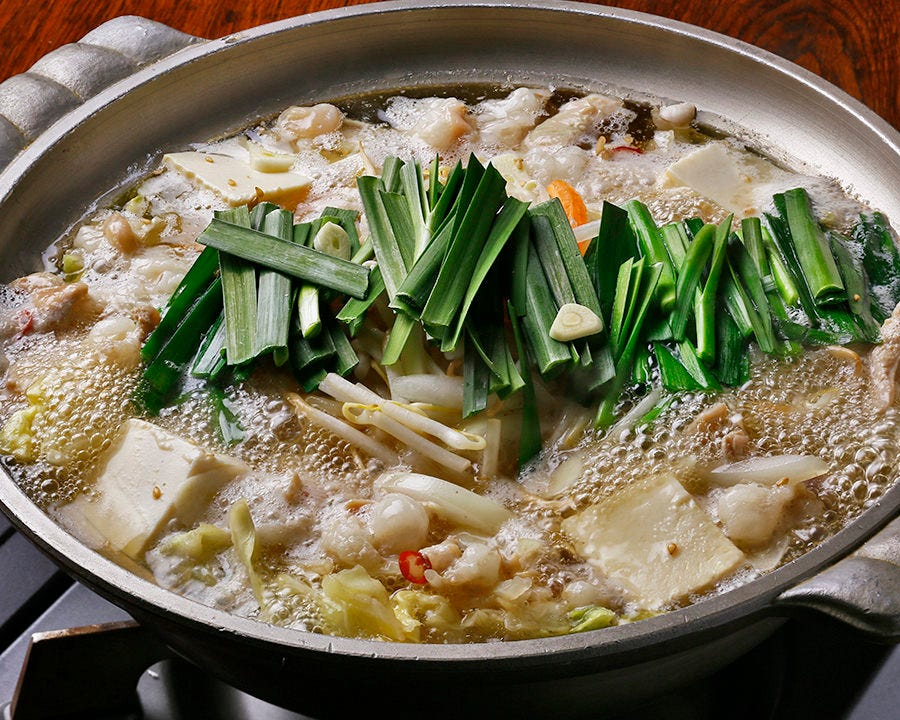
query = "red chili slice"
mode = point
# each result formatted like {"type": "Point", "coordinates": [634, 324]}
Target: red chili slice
{"type": "Point", "coordinates": [413, 565]}
{"type": "Point", "coordinates": [628, 148]}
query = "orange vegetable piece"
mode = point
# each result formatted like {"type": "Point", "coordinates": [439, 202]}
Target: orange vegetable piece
{"type": "Point", "coordinates": [571, 201]}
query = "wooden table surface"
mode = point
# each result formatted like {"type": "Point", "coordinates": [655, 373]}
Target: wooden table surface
{"type": "Point", "coordinates": [853, 43]}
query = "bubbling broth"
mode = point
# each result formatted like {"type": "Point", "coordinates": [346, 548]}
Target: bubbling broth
{"type": "Point", "coordinates": [564, 363]}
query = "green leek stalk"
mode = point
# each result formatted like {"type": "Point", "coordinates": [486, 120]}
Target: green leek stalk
{"type": "Point", "coordinates": [653, 248]}
{"type": "Point", "coordinates": [813, 252]}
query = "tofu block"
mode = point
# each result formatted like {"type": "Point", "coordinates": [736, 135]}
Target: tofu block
{"type": "Point", "coordinates": [734, 180]}
{"type": "Point", "coordinates": [655, 541]}
{"type": "Point", "coordinates": [148, 477]}
{"type": "Point", "coordinates": [236, 181]}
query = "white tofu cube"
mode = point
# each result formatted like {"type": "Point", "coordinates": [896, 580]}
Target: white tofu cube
{"type": "Point", "coordinates": [655, 541]}
{"type": "Point", "coordinates": [736, 181]}
{"type": "Point", "coordinates": [149, 476]}
{"type": "Point", "coordinates": [236, 181]}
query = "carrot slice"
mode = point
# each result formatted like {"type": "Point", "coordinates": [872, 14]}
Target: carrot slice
{"type": "Point", "coordinates": [571, 201]}
{"type": "Point", "coordinates": [583, 245]}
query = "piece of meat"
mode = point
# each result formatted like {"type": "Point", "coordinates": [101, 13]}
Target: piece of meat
{"type": "Point", "coordinates": [883, 362]}
{"type": "Point", "coordinates": [58, 306]}
{"type": "Point", "coordinates": [710, 419]}
{"type": "Point", "coordinates": [735, 445]}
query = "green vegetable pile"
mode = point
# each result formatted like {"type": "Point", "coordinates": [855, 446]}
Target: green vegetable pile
{"type": "Point", "coordinates": [484, 274]}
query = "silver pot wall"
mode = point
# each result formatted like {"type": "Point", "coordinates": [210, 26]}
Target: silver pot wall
{"type": "Point", "coordinates": [92, 117]}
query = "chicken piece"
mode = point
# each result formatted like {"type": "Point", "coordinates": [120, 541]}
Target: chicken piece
{"type": "Point", "coordinates": [477, 569]}
{"type": "Point", "coordinates": [55, 305]}
{"type": "Point", "coordinates": [883, 361]}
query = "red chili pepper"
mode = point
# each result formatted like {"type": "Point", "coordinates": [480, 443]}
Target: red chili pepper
{"type": "Point", "coordinates": [628, 148]}
{"type": "Point", "coordinates": [413, 565]}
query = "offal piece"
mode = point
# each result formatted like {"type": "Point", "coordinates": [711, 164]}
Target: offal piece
{"type": "Point", "coordinates": [884, 360]}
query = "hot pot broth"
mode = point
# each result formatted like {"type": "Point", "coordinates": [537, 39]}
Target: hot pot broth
{"type": "Point", "coordinates": [303, 508]}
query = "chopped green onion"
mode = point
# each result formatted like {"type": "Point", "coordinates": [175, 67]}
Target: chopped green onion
{"type": "Point", "coordinates": [469, 237]}
{"type": "Point", "coordinates": [652, 247]}
{"type": "Point", "coordinates": [502, 229]}
{"type": "Point", "coordinates": [881, 261]}
{"type": "Point", "coordinates": [606, 411]}
{"type": "Point", "coordinates": [811, 245]}
{"type": "Point", "coordinates": [673, 375]}
{"type": "Point", "coordinates": [390, 174]}
{"type": "Point", "coordinates": [397, 338]}
{"type": "Point", "coordinates": [696, 368]}
{"type": "Point", "coordinates": [567, 250]}
{"type": "Point", "coordinates": [705, 309]}
{"type": "Point", "coordinates": [413, 292]}
{"type": "Point", "coordinates": [614, 244]}
{"type": "Point", "coordinates": [748, 279]}
{"type": "Point", "coordinates": [238, 294]}
{"type": "Point", "coordinates": [346, 357]}
{"type": "Point", "coordinates": [210, 358]}
{"type": "Point", "coordinates": [476, 382]}
{"type": "Point", "coordinates": [783, 278]}
{"type": "Point", "coordinates": [274, 295]}
{"type": "Point", "coordinates": [689, 277]}
{"type": "Point", "coordinates": [540, 311]}
{"type": "Point", "coordinates": [732, 362]}
{"type": "Point", "coordinates": [676, 240]}
{"type": "Point", "coordinates": [530, 437]}
{"type": "Point", "coordinates": [161, 375]}
{"type": "Point", "coordinates": [544, 243]}
{"type": "Point", "coordinates": [856, 284]}
{"type": "Point", "coordinates": [290, 258]}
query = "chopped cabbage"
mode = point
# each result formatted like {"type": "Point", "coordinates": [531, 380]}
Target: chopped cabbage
{"type": "Point", "coordinates": [592, 617]}
{"type": "Point", "coordinates": [243, 535]}
{"type": "Point", "coordinates": [17, 437]}
{"type": "Point", "coordinates": [358, 605]}
{"type": "Point", "coordinates": [200, 544]}
{"type": "Point", "coordinates": [419, 611]}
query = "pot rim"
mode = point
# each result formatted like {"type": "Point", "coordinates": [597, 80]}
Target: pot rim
{"type": "Point", "coordinates": [740, 605]}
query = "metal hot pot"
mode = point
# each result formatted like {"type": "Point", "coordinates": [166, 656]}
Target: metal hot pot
{"type": "Point", "coordinates": [91, 117]}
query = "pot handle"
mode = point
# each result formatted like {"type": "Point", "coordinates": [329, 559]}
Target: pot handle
{"type": "Point", "coordinates": [66, 77]}
{"type": "Point", "coordinates": [862, 590]}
